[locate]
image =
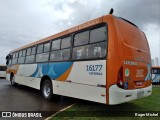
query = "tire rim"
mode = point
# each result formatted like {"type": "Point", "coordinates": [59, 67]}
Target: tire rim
{"type": "Point", "coordinates": [46, 90]}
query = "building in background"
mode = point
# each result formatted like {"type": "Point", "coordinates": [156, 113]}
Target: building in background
{"type": "Point", "coordinates": [156, 61]}
{"type": "Point", "coordinates": [152, 62]}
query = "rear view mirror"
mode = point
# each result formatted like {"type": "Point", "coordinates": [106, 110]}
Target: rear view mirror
{"type": "Point", "coordinates": [7, 62]}
{"type": "Point", "coordinates": [7, 57]}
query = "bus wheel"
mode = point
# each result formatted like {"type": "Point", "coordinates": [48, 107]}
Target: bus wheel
{"type": "Point", "coordinates": [12, 79]}
{"type": "Point", "coordinates": [47, 90]}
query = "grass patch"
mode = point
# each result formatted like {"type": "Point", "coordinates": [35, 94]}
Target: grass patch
{"type": "Point", "coordinates": [97, 111]}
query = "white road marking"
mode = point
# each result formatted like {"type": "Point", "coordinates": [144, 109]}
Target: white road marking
{"type": "Point", "coordinates": [60, 111]}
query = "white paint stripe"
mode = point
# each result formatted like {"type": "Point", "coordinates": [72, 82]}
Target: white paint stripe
{"type": "Point", "coordinates": [60, 111]}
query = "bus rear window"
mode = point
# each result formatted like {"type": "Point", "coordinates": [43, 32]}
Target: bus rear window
{"type": "Point", "coordinates": [3, 68]}
{"type": "Point", "coordinates": [155, 71]}
{"type": "Point", "coordinates": [132, 36]}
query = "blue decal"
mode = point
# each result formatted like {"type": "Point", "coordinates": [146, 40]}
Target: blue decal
{"type": "Point", "coordinates": [53, 70]}
{"type": "Point", "coordinates": [148, 77]}
{"type": "Point", "coordinates": [125, 85]}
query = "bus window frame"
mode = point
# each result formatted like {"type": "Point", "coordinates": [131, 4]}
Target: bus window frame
{"type": "Point", "coordinates": [104, 24]}
{"type": "Point", "coordinates": [60, 49]}
{"type": "Point", "coordinates": [22, 55]}
{"type": "Point", "coordinates": [15, 57]}
{"type": "Point", "coordinates": [90, 29]}
{"type": "Point", "coordinates": [43, 51]}
{"type": "Point", "coordinates": [158, 71]}
{"type": "Point", "coordinates": [3, 68]}
{"type": "Point", "coordinates": [31, 54]}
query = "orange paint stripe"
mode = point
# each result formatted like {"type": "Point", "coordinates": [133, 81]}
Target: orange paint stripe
{"type": "Point", "coordinates": [13, 69]}
{"type": "Point", "coordinates": [65, 75]}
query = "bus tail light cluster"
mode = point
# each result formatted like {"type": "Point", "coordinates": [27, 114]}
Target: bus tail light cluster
{"type": "Point", "coordinates": [120, 78]}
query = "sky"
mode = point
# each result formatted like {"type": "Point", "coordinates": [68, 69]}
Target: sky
{"type": "Point", "coordinates": [25, 21]}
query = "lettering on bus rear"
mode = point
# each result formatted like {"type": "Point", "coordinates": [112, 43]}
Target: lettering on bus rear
{"type": "Point", "coordinates": [140, 73]}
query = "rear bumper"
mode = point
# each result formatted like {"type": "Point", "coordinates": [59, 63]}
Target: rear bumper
{"type": "Point", "coordinates": [8, 77]}
{"type": "Point", "coordinates": [3, 75]}
{"type": "Point", "coordinates": [118, 95]}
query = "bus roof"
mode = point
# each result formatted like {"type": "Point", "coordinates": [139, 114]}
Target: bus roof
{"type": "Point", "coordinates": [155, 67]}
{"type": "Point", "coordinates": [66, 32]}
{"type": "Point", "coordinates": [2, 65]}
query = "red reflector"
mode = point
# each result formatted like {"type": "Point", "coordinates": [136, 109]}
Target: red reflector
{"type": "Point", "coordinates": [139, 83]}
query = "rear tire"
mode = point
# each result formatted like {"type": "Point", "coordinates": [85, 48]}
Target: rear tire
{"type": "Point", "coordinates": [47, 90]}
{"type": "Point", "coordinates": [12, 79]}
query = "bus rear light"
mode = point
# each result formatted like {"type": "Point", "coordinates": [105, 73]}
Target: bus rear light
{"type": "Point", "coordinates": [120, 78]}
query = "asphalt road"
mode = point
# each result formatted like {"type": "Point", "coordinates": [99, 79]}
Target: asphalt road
{"type": "Point", "coordinates": [22, 98]}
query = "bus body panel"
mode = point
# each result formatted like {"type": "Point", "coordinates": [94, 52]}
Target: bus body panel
{"type": "Point", "coordinates": [84, 72]}
{"type": "Point", "coordinates": [118, 95]}
{"type": "Point", "coordinates": [3, 69]}
{"type": "Point", "coordinates": [81, 91]}
{"type": "Point", "coordinates": [136, 56]}
{"type": "Point", "coordinates": [89, 72]}
{"type": "Point", "coordinates": [81, 79]}
{"type": "Point", "coordinates": [2, 73]}
{"type": "Point", "coordinates": [130, 57]}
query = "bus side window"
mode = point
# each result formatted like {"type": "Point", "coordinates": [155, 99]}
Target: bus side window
{"type": "Point", "coordinates": [30, 55]}
{"type": "Point", "coordinates": [33, 51]}
{"type": "Point", "coordinates": [96, 48]}
{"type": "Point", "coordinates": [56, 44]}
{"type": "Point", "coordinates": [65, 48]}
{"type": "Point", "coordinates": [24, 53]}
{"type": "Point", "coordinates": [65, 54]}
{"type": "Point", "coordinates": [21, 57]}
{"type": "Point", "coordinates": [46, 47]}
{"type": "Point", "coordinates": [40, 48]}
{"type": "Point", "coordinates": [28, 51]}
{"type": "Point", "coordinates": [81, 38]}
{"type": "Point", "coordinates": [66, 42]}
{"type": "Point", "coordinates": [43, 52]}
{"type": "Point", "coordinates": [17, 54]}
{"type": "Point", "coordinates": [155, 71]}
{"type": "Point", "coordinates": [15, 57]}
{"type": "Point", "coordinates": [90, 51]}
{"type": "Point", "coordinates": [20, 53]}
{"type": "Point", "coordinates": [60, 53]}
{"type": "Point", "coordinates": [98, 35]}
{"type": "Point", "coordinates": [43, 57]}
{"type": "Point", "coordinates": [78, 53]}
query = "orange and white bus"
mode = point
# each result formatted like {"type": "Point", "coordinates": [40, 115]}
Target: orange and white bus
{"type": "Point", "coordinates": [3, 69]}
{"type": "Point", "coordinates": [106, 60]}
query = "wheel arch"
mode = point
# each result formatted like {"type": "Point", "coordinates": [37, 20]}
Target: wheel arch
{"type": "Point", "coordinates": [45, 77]}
